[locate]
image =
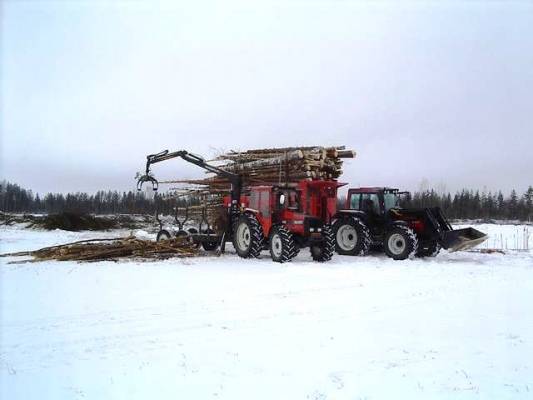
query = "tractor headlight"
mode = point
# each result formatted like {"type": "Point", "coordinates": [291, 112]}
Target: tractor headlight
{"type": "Point", "coordinates": [319, 229]}
{"type": "Point", "coordinates": [311, 229]}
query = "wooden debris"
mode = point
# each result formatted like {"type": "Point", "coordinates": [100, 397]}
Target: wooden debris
{"type": "Point", "coordinates": [109, 249]}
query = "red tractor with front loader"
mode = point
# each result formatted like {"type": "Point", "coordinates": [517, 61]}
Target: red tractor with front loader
{"type": "Point", "coordinates": [281, 218]}
{"type": "Point", "coordinates": [372, 217]}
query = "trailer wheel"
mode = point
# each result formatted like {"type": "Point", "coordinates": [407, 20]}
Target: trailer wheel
{"type": "Point", "coordinates": [352, 237]}
{"type": "Point", "coordinates": [163, 235]}
{"type": "Point", "coordinates": [323, 251]}
{"type": "Point", "coordinates": [430, 251]}
{"type": "Point", "coordinates": [282, 245]}
{"type": "Point", "coordinates": [209, 246]}
{"type": "Point", "coordinates": [193, 231]}
{"type": "Point", "coordinates": [248, 236]}
{"type": "Point", "coordinates": [400, 243]}
{"type": "Point", "coordinates": [182, 233]}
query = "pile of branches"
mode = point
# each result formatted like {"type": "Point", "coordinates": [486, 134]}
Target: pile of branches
{"type": "Point", "coordinates": [110, 250]}
{"type": "Point", "coordinates": [278, 165]}
{"type": "Point", "coordinates": [73, 221]}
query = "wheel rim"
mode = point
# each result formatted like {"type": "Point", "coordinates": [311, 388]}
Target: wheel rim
{"type": "Point", "coordinates": [243, 236]}
{"type": "Point", "coordinates": [276, 245]}
{"type": "Point", "coordinates": [396, 244]}
{"type": "Point", "coordinates": [347, 237]}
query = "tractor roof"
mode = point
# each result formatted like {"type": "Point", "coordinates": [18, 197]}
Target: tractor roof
{"type": "Point", "coordinates": [375, 189]}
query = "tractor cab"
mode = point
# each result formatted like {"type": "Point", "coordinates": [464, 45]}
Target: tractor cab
{"type": "Point", "coordinates": [376, 204]}
{"type": "Point", "coordinates": [375, 200]}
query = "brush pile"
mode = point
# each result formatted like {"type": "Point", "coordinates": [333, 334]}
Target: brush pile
{"type": "Point", "coordinates": [277, 166]}
{"type": "Point", "coordinates": [110, 250]}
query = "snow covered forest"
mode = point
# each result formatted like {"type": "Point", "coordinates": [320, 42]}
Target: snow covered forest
{"type": "Point", "coordinates": [466, 204]}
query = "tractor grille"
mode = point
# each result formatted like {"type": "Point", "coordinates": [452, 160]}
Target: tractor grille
{"type": "Point", "coordinates": [312, 224]}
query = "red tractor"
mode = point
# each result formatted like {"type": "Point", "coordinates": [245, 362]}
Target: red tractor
{"type": "Point", "coordinates": [373, 217]}
{"type": "Point", "coordinates": [281, 218]}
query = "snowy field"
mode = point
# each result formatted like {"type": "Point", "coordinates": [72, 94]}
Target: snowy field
{"type": "Point", "coordinates": [457, 326]}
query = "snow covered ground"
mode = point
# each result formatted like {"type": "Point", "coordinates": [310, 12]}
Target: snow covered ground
{"type": "Point", "coordinates": [458, 326]}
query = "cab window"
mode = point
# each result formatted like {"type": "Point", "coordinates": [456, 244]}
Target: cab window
{"type": "Point", "coordinates": [355, 201]}
{"type": "Point", "coordinates": [291, 200]}
{"type": "Point", "coordinates": [370, 202]}
{"type": "Point", "coordinates": [391, 201]}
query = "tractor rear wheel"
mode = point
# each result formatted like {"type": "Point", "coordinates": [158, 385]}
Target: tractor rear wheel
{"type": "Point", "coordinates": [324, 250]}
{"type": "Point", "coordinates": [163, 235]}
{"type": "Point", "coordinates": [429, 251]}
{"type": "Point", "coordinates": [400, 243]}
{"type": "Point", "coordinates": [282, 245]}
{"type": "Point", "coordinates": [248, 236]}
{"type": "Point", "coordinates": [352, 237]}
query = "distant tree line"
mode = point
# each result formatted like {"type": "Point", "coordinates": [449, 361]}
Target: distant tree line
{"type": "Point", "coordinates": [14, 198]}
{"type": "Point", "coordinates": [466, 204]}
{"type": "Point", "coordinates": [469, 204]}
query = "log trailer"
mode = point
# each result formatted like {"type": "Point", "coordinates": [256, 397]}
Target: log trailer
{"type": "Point", "coordinates": [372, 217]}
{"type": "Point", "coordinates": [281, 218]}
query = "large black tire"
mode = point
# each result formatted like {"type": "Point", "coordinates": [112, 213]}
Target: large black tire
{"type": "Point", "coordinates": [430, 250]}
{"type": "Point", "coordinates": [209, 246]}
{"type": "Point", "coordinates": [352, 237]}
{"type": "Point", "coordinates": [163, 235]}
{"type": "Point", "coordinates": [324, 250]}
{"type": "Point", "coordinates": [400, 243]}
{"type": "Point", "coordinates": [182, 233]}
{"type": "Point", "coordinates": [282, 246]}
{"type": "Point", "coordinates": [248, 236]}
{"type": "Point", "coordinates": [193, 231]}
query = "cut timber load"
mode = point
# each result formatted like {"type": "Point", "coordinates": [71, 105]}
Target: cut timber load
{"type": "Point", "coordinates": [286, 165]}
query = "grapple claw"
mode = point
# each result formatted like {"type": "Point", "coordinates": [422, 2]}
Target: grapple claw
{"type": "Point", "coordinates": [147, 178]}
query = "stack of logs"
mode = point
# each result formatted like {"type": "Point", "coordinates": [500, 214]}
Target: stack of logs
{"type": "Point", "coordinates": [277, 166]}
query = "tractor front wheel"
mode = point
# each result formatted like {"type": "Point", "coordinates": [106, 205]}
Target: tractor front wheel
{"type": "Point", "coordinates": [323, 251]}
{"type": "Point", "coordinates": [352, 237]}
{"type": "Point", "coordinates": [400, 243]}
{"type": "Point", "coordinates": [281, 245]}
{"type": "Point", "coordinates": [248, 237]}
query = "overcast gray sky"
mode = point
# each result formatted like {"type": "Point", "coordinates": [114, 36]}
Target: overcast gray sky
{"type": "Point", "coordinates": [441, 91]}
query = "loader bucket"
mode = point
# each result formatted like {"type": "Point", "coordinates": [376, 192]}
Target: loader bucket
{"type": "Point", "coordinates": [462, 239]}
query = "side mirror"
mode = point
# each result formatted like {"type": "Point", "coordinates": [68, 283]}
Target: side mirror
{"type": "Point", "coordinates": [281, 199]}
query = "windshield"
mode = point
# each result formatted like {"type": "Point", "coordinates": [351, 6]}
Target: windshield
{"type": "Point", "coordinates": [391, 201]}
